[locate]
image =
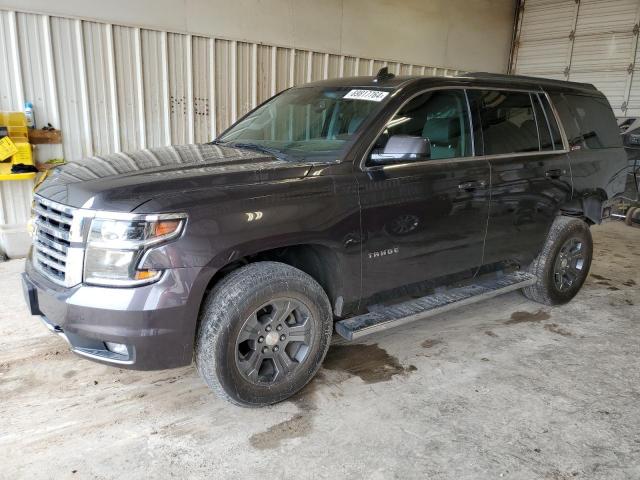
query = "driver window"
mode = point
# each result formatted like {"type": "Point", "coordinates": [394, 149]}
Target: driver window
{"type": "Point", "coordinates": [441, 117]}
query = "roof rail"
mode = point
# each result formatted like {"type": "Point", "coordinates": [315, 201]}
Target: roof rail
{"type": "Point", "coordinates": [541, 80]}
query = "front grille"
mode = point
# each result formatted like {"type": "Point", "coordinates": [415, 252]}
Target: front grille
{"type": "Point", "coordinates": [51, 241]}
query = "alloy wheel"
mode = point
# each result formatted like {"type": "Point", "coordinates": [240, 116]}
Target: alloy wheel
{"type": "Point", "coordinates": [569, 264]}
{"type": "Point", "coordinates": [274, 341]}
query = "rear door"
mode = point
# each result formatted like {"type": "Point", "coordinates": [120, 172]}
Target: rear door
{"type": "Point", "coordinates": [425, 218]}
{"type": "Point", "coordinates": [530, 172]}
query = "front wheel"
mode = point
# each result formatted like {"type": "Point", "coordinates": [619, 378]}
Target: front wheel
{"type": "Point", "coordinates": [264, 331]}
{"type": "Point", "coordinates": [563, 264]}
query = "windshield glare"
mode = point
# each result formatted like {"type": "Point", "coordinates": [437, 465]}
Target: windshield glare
{"type": "Point", "coordinates": [307, 123]}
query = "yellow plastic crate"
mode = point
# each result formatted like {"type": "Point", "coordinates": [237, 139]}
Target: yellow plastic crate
{"type": "Point", "coordinates": [13, 119]}
{"type": "Point", "coordinates": [16, 124]}
{"type": "Point", "coordinates": [5, 172]}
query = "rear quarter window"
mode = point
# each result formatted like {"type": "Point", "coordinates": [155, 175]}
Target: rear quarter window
{"type": "Point", "coordinates": [595, 120]}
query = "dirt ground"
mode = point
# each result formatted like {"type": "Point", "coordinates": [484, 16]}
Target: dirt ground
{"type": "Point", "coordinates": [503, 389]}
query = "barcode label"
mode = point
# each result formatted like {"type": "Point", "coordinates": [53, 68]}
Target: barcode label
{"type": "Point", "coordinates": [369, 95]}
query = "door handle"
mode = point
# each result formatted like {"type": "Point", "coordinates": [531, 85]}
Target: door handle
{"type": "Point", "coordinates": [554, 173]}
{"type": "Point", "coordinates": [472, 185]}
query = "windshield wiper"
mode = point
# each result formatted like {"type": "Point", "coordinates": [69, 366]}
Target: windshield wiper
{"type": "Point", "coordinates": [279, 154]}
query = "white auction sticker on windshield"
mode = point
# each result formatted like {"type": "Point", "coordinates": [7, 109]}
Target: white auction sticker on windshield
{"type": "Point", "coordinates": [369, 95]}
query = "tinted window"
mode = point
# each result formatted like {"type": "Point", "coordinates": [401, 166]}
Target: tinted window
{"type": "Point", "coordinates": [508, 122]}
{"type": "Point", "coordinates": [544, 130]}
{"type": "Point", "coordinates": [307, 123]}
{"type": "Point", "coordinates": [441, 117]}
{"type": "Point", "coordinates": [552, 121]}
{"type": "Point", "coordinates": [598, 126]}
{"type": "Point", "coordinates": [569, 123]}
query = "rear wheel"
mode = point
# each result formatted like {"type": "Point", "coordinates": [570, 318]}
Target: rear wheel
{"type": "Point", "coordinates": [563, 264]}
{"type": "Point", "coordinates": [264, 331]}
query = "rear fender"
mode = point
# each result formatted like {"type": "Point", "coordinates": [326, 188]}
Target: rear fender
{"type": "Point", "coordinates": [589, 206]}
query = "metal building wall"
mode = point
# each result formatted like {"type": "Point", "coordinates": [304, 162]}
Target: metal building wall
{"type": "Point", "coordinates": [593, 41]}
{"type": "Point", "coordinates": [113, 88]}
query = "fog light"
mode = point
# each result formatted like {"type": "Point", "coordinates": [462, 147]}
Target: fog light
{"type": "Point", "coordinates": [118, 348]}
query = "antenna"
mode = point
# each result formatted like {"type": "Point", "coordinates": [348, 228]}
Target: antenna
{"type": "Point", "coordinates": [383, 74]}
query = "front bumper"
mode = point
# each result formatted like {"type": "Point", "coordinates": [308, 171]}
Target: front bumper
{"type": "Point", "coordinates": [156, 322]}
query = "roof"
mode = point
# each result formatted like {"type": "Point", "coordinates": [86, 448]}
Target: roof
{"type": "Point", "coordinates": [493, 80]}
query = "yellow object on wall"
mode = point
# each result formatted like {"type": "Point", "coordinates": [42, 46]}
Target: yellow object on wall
{"type": "Point", "coordinates": [16, 125]}
{"type": "Point", "coordinates": [7, 148]}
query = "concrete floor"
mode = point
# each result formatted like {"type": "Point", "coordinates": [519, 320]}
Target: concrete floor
{"type": "Point", "coordinates": [503, 389]}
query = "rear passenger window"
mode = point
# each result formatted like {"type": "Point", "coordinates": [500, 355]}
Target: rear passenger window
{"type": "Point", "coordinates": [597, 124]}
{"type": "Point", "coordinates": [508, 122]}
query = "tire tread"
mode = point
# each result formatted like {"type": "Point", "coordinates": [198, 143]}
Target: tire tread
{"type": "Point", "coordinates": [541, 291]}
{"type": "Point", "coordinates": [232, 290]}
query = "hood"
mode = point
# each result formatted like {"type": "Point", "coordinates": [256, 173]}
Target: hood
{"type": "Point", "coordinates": [122, 181]}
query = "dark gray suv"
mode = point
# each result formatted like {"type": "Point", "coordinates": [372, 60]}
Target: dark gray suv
{"type": "Point", "coordinates": [341, 205]}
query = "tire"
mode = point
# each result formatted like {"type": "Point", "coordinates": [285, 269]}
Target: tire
{"type": "Point", "coordinates": [246, 313]}
{"type": "Point", "coordinates": [559, 261]}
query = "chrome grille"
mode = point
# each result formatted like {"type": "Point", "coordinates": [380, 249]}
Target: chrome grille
{"type": "Point", "coordinates": [52, 238]}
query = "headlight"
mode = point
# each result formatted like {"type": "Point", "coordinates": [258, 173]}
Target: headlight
{"type": "Point", "coordinates": [115, 246]}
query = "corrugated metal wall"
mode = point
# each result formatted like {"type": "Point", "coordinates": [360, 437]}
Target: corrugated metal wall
{"type": "Point", "coordinates": [593, 41]}
{"type": "Point", "coordinates": [112, 88]}
{"type": "Point", "coordinates": [115, 88]}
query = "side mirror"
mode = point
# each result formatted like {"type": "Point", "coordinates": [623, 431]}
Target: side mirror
{"type": "Point", "coordinates": [401, 148]}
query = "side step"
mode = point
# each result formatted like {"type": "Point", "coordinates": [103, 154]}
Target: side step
{"type": "Point", "coordinates": [395, 315]}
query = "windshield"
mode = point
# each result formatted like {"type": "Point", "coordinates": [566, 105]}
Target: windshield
{"type": "Point", "coordinates": [307, 123]}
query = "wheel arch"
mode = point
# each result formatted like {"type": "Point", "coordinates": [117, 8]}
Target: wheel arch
{"type": "Point", "coordinates": [316, 260]}
{"type": "Point", "coordinates": [587, 206]}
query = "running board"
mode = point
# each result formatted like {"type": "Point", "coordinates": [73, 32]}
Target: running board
{"type": "Point", "coordinates": [399, 314]}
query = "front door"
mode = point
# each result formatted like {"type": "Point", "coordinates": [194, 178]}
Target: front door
{"type": "Point", "coordinates": [424, 218]}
